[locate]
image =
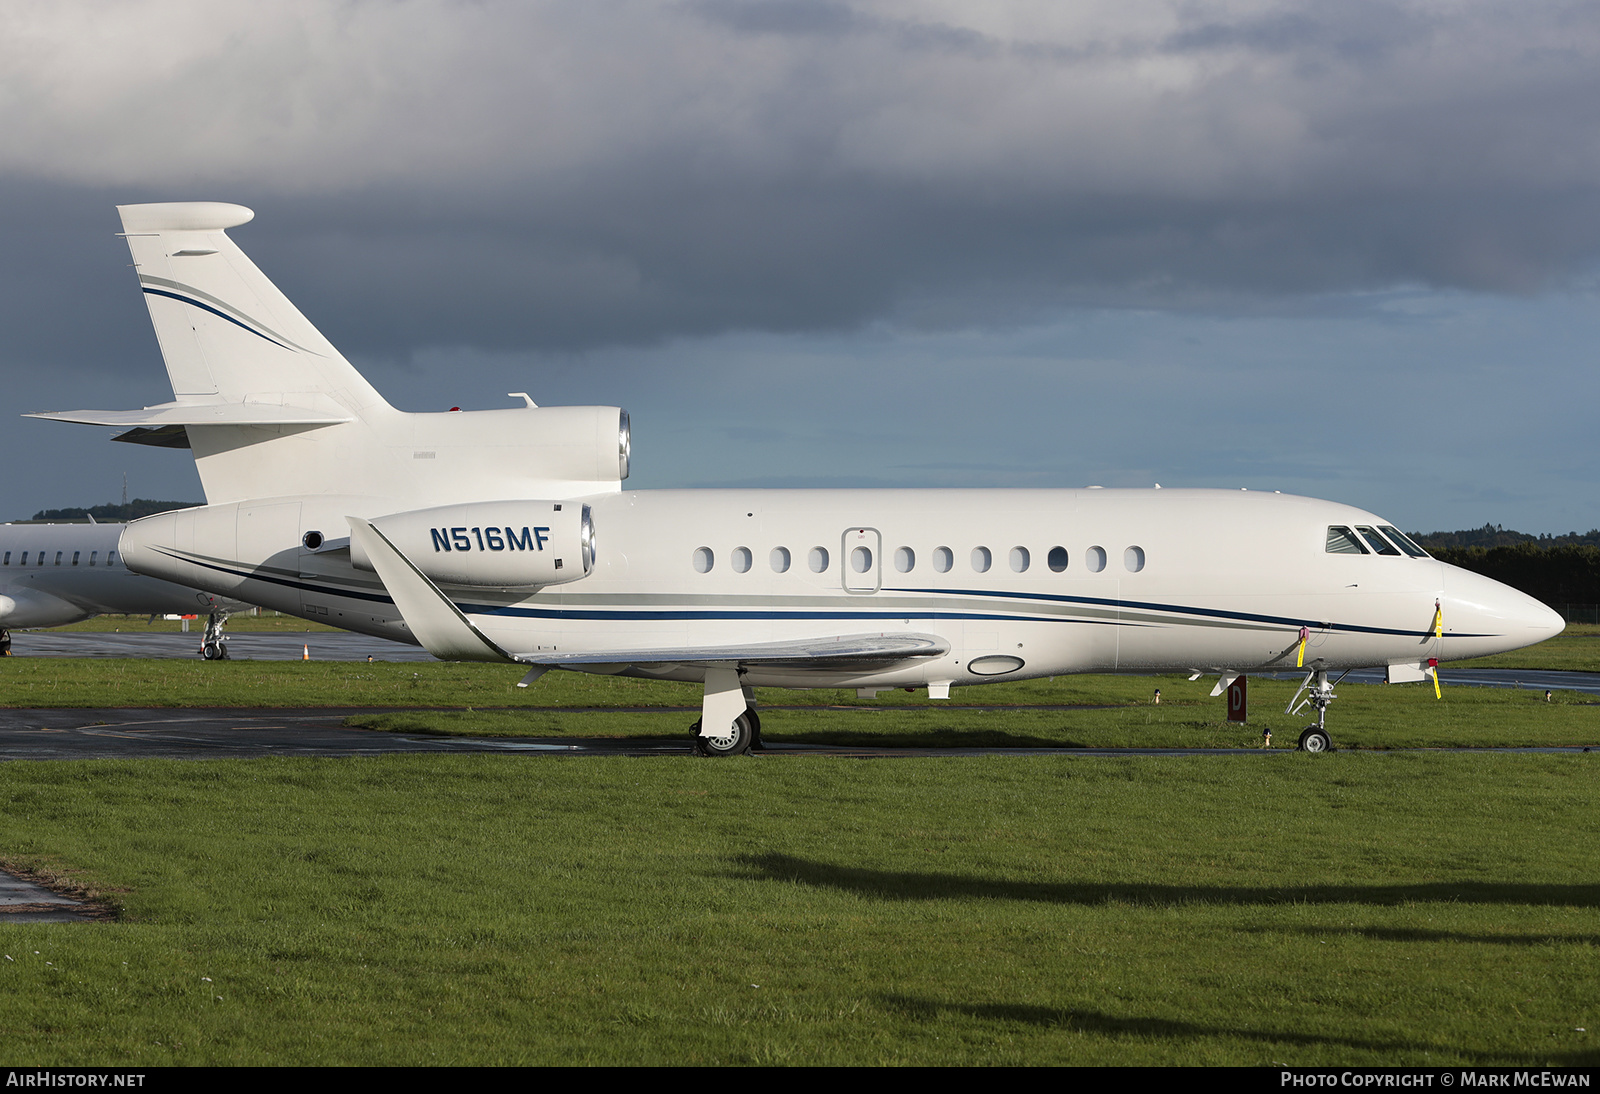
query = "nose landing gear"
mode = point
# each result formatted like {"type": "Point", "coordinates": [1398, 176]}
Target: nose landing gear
{"type": "Point", "coordinates": [214, 647]}
{"type": "Point", "coordinates": [1314, 738]}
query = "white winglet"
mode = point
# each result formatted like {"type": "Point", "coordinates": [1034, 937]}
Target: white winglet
{"type": "Point", "coordinates": [435, 621]}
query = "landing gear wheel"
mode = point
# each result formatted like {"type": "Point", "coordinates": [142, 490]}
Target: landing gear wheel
{"type": "Point", "coordinates": [1315, 739]}
{"type": "Point", "coordinates": [214, 651]}
{"type": "Point", "coordinates": [735, 742]}
{"type": "Point", "coordinates": [5, 643]}
{"type": "Point", "coordinates": [755, 729]}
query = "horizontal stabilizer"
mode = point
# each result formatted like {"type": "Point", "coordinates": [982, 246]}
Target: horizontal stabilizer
{"type": "Point", "coordinates": [850, 649]}
{"type": "Point", "coordinates": [434, 619]}
{"type": "Point", "coordinates": [176, 414]}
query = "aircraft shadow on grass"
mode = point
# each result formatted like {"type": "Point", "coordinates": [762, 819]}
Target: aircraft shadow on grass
{"type": "Point", "coordinates": [1169, 1029]}
{"type": "Point", "coordinates": [913, 885]}
{"type": "Point", "coordinates": [1418, 934]}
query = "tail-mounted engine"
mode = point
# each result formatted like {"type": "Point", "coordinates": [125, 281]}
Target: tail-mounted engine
{"type": "Point", "coordinates": [499, 544]}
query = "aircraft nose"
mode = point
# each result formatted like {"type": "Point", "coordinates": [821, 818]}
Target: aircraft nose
{"type": "Point", "coordinates": [1483, 616]}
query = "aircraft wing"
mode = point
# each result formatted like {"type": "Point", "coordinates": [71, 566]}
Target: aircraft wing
{"type": "Point", "coordinates": [843, 650]}
{"type": "Point", "coordinates": [446, 632]}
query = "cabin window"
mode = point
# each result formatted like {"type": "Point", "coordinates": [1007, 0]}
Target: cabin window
{"type": "Point", "coordinates": [779, 558]}
{"type": "Point", "coordinates": [819, 560]}
{"type": "Point", "coordinates": [111, 558]}
{"type": "Point", "coordinates": [1020, 559]}
{"type": "Point", "coordinates": [703, 560]}
{"type": "Point", "coordinates": [1403, 541]}
{"type": "Point", "coordinates": [75, 555]}
{"type": "Point", "coordinates": [1342, 541]}
{"type": "Point", "coordinates": [1133, 559]}
{"type": "Point", "coordinates": [1057, 559]}
{"type": "Point", "coordinates": [24, 561]}
{"type": "Point", "coordinates": [92, 556]}
{"type": "Point", "coordinates": [981, 559]}
{"type": "Point", "coordinates": [58, 558]}
{"type": "Point", "coordinates": [741, 560]}
{"type": "Point", "coordinates": [1375, 541]}
{"type": "Point", "coordinates": [905, 559]}
{"type": "Point", "coordinates": [1095, 559]}
{"type": "Point", "coordinates": [8, 558]}
{"type": "Point", "coordinates": [943, 559]}
{"type": "Point", "coordinates": [861, 559]}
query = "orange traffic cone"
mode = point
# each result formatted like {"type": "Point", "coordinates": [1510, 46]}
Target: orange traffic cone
{"type": "Point", "coordinates": [305, 653]}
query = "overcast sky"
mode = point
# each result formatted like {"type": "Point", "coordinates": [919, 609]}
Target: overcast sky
{"type": "Point", "coordinates": [1346, 250]}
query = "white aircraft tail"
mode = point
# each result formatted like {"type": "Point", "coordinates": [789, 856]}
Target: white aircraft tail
{"type": "Point", "coordinates": [227, 333]}
{"type": "Point", "coordinates": [271, 409]}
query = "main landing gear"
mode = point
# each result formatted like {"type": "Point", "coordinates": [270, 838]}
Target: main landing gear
{"type": "Point", "coordinates": [214, 647]}
{"type": "Point", "coordinates": [5, 642]}
{"type": "Point", "coordinates": [743, 736]}
{"type": "Point", "coordinates": [1314, 738]}
{"type": "Point", "coordinates": [730, 704]}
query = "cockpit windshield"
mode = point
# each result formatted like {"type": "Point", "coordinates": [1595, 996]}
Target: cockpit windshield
{"type": "Point", "coordinates": [1403, 541]}
{"type": "Point", "coordinates": [1342, 541]}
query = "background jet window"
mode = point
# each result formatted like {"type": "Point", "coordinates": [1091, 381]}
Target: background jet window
{"type": "Point", "coordinates": [92, 556]}
{"type": "Point", "coordinates": [905, 559]}
{"type": "Point", "coordinates": [943, 559]}
{"type": "Point", "coordinates": [703, 560]}
{"type": "Point", "coordinates": [819, 560]}
{"type": "Point", "coordinates": [1057, 559]}
{"type": "Point", "coordinates": [1133, 559]}
{"type": "Point", "coordinates": [58, 558]}
{"type": "Point", "coordinates": [111, 558]}
{"type": "Point", "coordinates": [1342, 541]}
{"type": "Point", "coordinates": [981, 559]}
{"type": "Point", "coordinates": [8, 559]}
{"type": "Point", "coordinates": [75, 555]}
{"type": "Point", "coordinates": [1020, 559]}
{"type": "Point", "coordinates": [779, 559]}
{"type": "Point", "coordinates": [741, 560]}
{"type": "Point", "coordinates": [1095, 559]}
{"type": "Point", "coordinates": [1379, 544]}
{"type": "Point", "coordinates": [1403, 541]}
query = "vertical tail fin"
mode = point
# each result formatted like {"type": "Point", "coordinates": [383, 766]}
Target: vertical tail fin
{"type": "Point", "coordinates": [226, 332]}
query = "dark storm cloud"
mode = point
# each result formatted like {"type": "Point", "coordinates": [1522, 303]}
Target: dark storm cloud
{"type": "Point", "coordinates": [564, 176]}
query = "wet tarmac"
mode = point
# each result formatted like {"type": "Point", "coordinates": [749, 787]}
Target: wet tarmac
{"type": "Point", "coordinates": [59, 734]}
{"type": "Point", "coordinates": [218, 733]}
{"type": "Point", "coordinates": [25, 901]}
{"type": "Point", "coordinates": [342, 646]}
{"type": "Point", "coordinates": [245, 646]}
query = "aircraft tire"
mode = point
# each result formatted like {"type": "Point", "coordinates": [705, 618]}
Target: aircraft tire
{"type": "Point", "coordinates": [1315, 740]}
{"type": "Point", "coordinates": [214, 651]}
{"type": "Point", "coordinates": [5, 643]}
{"type": "Point", "coordinates": [736, 743]}
{"type": "Point", "coordinates": [755, 728]}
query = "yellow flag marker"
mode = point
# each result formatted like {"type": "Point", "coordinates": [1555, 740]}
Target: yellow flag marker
{"type": "Point", "coordinates": [1300, 661]}
{"type": "Point", "coordinates": [1433, 662]}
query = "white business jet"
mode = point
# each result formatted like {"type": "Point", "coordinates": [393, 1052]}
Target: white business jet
{"type": "Point", "coordinates": [54, 574]}
{"type": "Point", "coordinates": [506, 535]}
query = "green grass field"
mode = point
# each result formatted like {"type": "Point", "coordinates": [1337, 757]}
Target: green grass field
{"type": "Point", "coordinates": [1357, 907]}
{"type": "Point", "coordinates": [1348, 908]}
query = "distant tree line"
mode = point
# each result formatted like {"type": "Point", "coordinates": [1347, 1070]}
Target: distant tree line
{"type": "Point", "coordinates": [108, 513]}
{"type": "Point", "coordinates": [1559, 570]}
